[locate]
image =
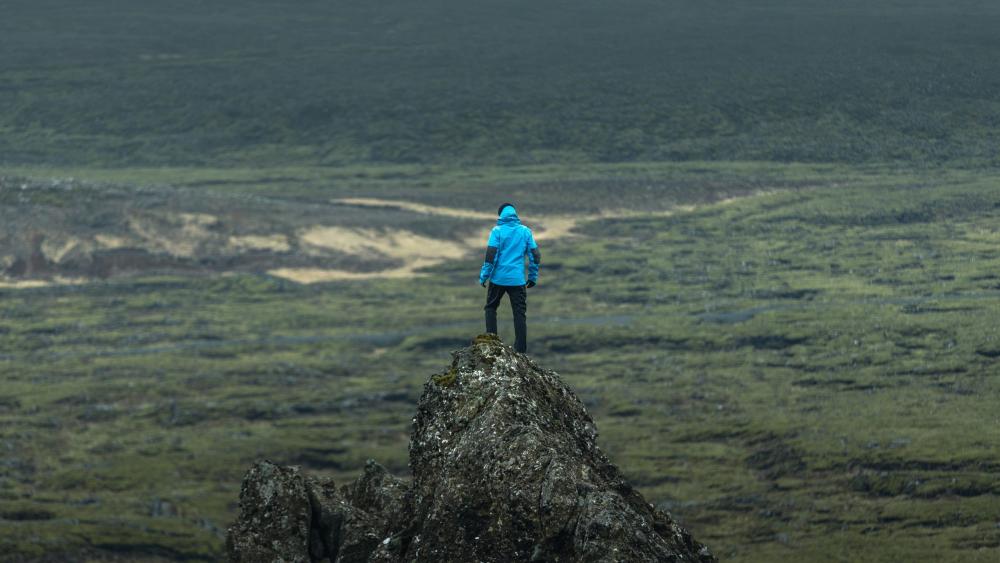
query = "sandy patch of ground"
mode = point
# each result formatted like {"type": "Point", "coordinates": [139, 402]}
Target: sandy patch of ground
{"type": "Point", "coordinates": [177, 234]}
{"type": "Point", "coordinates": [320, 275]}
{"type": "Point", "coordinates": [394, 243]}
{"type": "Point", "coordinates": [416, 251]}
{"type": "Point", "coordinates": [274, 243]}
{"type": "Point", "coordinates": [27, 284]}
{"type": "Point", "coordinates": [110, 242]}
{"type": "Point", "coordinates": [186, 235]}
{"type": "Point", "coordinates": [419, 252]}
{"type": "Point", "coordinates": [543, 226]}
{"type": "Point", "coordinates": [57, 250]}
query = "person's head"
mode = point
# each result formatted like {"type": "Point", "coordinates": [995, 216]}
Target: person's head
{"type": "Point", "coordinates": [500, 209]}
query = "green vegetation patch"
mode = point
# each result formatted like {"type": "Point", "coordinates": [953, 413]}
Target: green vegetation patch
{"type": "Point", "coordinates": [796, 376]}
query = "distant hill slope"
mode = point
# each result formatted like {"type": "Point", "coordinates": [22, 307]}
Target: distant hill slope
{"type": "Point", "coordinates": [460, 82]}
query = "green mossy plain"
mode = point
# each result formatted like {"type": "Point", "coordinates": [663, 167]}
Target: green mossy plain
{"type": "Point", "coordinates": [806, 374]}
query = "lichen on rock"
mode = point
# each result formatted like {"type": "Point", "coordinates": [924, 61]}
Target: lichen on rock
{"type": "Point", "coordinates": [505, 468]}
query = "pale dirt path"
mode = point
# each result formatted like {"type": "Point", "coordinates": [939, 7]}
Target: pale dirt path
{"type": "Point", "coordinates": [418, 252]}
{"type": "Point", "coordinates": [183, 234]}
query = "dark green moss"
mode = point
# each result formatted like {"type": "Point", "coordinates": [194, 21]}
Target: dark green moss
{"type": "Point", "coordinates": [446, 379]}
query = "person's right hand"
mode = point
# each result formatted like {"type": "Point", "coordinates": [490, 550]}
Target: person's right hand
{"type": "Point", "coordinates": [531, 284]}
{"type": "Point", "coordinates": [482, 284]}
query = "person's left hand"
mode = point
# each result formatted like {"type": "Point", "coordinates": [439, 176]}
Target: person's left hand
{"type": "Point", "coordinates": [482, 284]}
{"type": "Point", "coordinates": [531, 284]}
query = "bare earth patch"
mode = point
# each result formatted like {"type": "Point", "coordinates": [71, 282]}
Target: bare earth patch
{"type": "Point", "coordinates": [192, 236]}
{"type": "Point", "coordinates": [57, 250]}
{"type": "Point", "coordinates": [418, 251]}
{"type": "Point", "coordinates": [394, 243]}
{"type": "Point", "coordinates": [27, 284]}
{"type": "Point", "coordinates": [273, 243]}
{"type": "Point", "coordinates": [111, 242]}
{"type": "Point", "coordinates": [177, 234]}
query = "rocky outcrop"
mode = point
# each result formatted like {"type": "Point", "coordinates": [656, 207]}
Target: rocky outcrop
{"type": "Point", "coordinates": [287, 516]}
{"type": "Point", "coordinates": [505, 468]}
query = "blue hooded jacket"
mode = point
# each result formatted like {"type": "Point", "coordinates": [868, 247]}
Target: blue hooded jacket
{"type": "Point", "coordinates": [509, 242]}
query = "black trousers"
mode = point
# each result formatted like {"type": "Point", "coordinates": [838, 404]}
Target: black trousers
{"type": "Point", "coordinates": [518, 303]}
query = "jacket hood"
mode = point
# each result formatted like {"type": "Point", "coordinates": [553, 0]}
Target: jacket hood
{"type": "Point", "coordinates": [508, 215]}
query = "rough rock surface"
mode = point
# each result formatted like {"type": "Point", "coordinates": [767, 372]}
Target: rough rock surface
{"type": "Point", "coordinates": [288, 517]}
{"type": "Point", "coordinates": [505, 468]}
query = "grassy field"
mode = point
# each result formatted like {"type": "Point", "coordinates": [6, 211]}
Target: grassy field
{"type": "Point", "coordinates": [802, 375]}
{"type": "Point", "coordinates": [772, 271]}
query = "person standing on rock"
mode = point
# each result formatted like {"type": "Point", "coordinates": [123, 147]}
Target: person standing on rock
{"type": "Point", "coordinates": [509, 243]}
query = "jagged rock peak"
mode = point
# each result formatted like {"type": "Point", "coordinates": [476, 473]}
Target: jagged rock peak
{"type": "Point", "coordinates": [505, 468]}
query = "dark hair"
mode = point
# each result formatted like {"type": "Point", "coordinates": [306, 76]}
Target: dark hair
{"type": "Point", "coordinates": [500, 209]}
